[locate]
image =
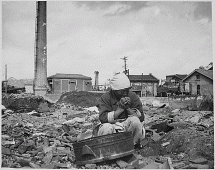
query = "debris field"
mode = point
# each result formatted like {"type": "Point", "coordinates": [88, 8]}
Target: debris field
{"type": "Point", "coordinates": [41, 135]}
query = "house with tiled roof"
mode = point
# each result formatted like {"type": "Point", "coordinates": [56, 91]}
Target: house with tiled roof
{"type": "Point", "coordinates": [144, 85]}
{"type": "Point", "coordinates": [60, 83]}
{"type": "Point", "coordinates": [173, 81]}
{"type": "Point", "coordinates": [199, 82]}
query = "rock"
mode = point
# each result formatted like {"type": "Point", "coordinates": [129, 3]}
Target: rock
{"type": "Point", "coordinates": [199, 166]}
{"type": "Point", "coordinates": [75, 120]}
{"type": "Point", "coordinates": [94, 117]}
{"type": "Point", "coordinates": [195, 119]}
{"type": "Point", "coordinates": [145, 108]}
{"type": "Point", "coordinates": [22, 149]}
{"type": "Point", "coordinates": [181, 156]}
{"type": "Point", "coordinates": [23, 162]}
{"type": "Point", "coordinates": [8, 142]}
{"type": "Point", "coordinates": [88, 125]}
{"type": "Point", "coordinates": [86, 135]}
{"type": "Point", "coordinates": [122, 164]}
{"type": "Point", "coordinates": [3, 107]}
{"type": "Point", "coordinates": [47, 159]}
{"type": "Point", "coordinates": [92, 109]}
{"type": "Point", "coordinates": [167, 164]}
{"type": "Point", "coordinates": [156, 103]}
{"type": "Point", "coordinates": [139, 157]}
{"type": "Point", "coordinates": [165, 144]}
{"type": "Point", "coordinates": [155, 137]}
{"type": "Point", "coordinates": [43, 107]}
{"type": "Point", "coordinates": [5, 151]}
{"type": "Point", "coordinates": [5, 136]}
{"type": "Point", "coordinates": [199, 161]}
{"type": "Point", "coordinates": [178, 165]}
{"type": "Point", "coordinates": [90, 166]}
{"type": "Point", "coordinates": [176, 110]}
{"type": "Point", "coordinates": [130, 167]}
{"type": "Point", "coordinates": [29, 124]}
{"type": "Point", "coordinates": [144, 142]}
{"type": "Point", "coordinates": [33, 165]}
{"type": "Point", "coordinates": [141, 164]}
{"type": "Point", "coordinates": [8, 111]}
{"type": "Point", "coordinates": [153, 165]}
{"type": "Point", "coordinates": [133, 161]}
{"type": "Point", "coordinates": [45, 166]}
{"type": "Point", "coordinates": [80, 108]}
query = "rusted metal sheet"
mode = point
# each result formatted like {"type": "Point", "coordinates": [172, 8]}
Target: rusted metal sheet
{"type": "Point", "coordinates": [102, 148]}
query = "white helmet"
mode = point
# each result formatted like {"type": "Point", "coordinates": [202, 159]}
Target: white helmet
{"type": "Point", "coordinates": [120, 81]}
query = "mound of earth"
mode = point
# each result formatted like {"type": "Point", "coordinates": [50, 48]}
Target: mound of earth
{"type": "Point", "coordinates": [81, 98]}
{"type": "Point", "coordinates": [25, 102]}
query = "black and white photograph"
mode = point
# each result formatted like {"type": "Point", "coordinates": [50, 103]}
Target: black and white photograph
{"type": "Point", "coordinates": [107, 84]}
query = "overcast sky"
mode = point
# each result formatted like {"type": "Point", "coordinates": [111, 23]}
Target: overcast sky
{"type": "Point", "coordinates": [162, 38]}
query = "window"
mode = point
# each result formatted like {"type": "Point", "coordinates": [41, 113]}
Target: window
{"type": "Point", "coordinates": [197, 77]}
{"type": "Point", "coordinates": [70, 82]}
{"type": "Point", "coordinates": [198, 89]}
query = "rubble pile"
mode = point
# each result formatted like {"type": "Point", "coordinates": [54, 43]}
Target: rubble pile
{"type": "Point", "coordinates": [43, 140]}
{"type": "Point", "coordinates": [175, 139]}
{"type": "Point", "coordinates": [81, 98]}
{"type": "Point", "coordinates": [25, 102]}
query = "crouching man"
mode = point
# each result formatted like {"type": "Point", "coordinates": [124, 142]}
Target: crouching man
{"type": "Point", "coordinates": [120, 110]}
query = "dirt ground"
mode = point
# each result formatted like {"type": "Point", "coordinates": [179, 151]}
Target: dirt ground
{"type": "Point", "coordinates": [44, 139]}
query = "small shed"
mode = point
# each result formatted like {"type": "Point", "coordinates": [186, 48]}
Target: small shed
{"type": "Point", "coordinates": [199, 82]}
{"type": "Point", "coordinates": [60, 83]}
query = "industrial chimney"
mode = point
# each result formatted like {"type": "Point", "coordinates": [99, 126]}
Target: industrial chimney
{"type": "Point", "coordinates": [96, 80]}
{"type": "Point", "coordinates": [40, 72]}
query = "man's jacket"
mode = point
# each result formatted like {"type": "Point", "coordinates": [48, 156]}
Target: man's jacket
{"type": "Point", "coordinates": [109, 103]}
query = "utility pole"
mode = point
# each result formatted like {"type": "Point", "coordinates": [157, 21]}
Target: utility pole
{"type": "Point", "coordinates": [6, 78]}
{"type": "Point", "coordinates": [125, 59]}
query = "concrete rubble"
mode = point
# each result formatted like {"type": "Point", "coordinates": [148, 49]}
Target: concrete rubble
{"type": "Point", "coordinates": [175, 139]}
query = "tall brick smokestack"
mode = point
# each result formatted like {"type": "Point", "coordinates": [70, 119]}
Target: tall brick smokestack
{"type": "Point", "coordinates": [40, 72]}
{"type": "Point", "coordinates": [96, 80]}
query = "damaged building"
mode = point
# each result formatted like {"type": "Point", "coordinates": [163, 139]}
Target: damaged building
{"type": "Point", "coordinates": [60, 83]}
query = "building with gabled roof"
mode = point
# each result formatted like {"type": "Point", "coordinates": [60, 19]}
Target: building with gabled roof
{"type": "Point", "coordinates": [199, 82]}
{"type": "Point", "coordinates": [174, 80]}
{"type": "Point", "coordinates": [144, 85]}
{"type": "Point", "coordinates": [60, 83]}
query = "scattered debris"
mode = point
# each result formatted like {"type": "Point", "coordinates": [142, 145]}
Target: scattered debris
{"type": "Point", "coordinates": [44, 138]}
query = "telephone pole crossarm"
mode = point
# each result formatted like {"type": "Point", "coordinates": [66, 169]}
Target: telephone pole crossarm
{"type": "Point", "coordinates": [125, 65]}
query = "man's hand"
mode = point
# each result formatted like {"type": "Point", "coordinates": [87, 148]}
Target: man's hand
{"type": "Point", "coordinates": [124, 102]}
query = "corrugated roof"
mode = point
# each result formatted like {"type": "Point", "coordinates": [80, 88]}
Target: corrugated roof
{"type": "Point", "coordinates": [149, 77]}
{"type": "Point", "coordinates": [206, 73]}
{"type": "Point", "coordinates": [69, 76]}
